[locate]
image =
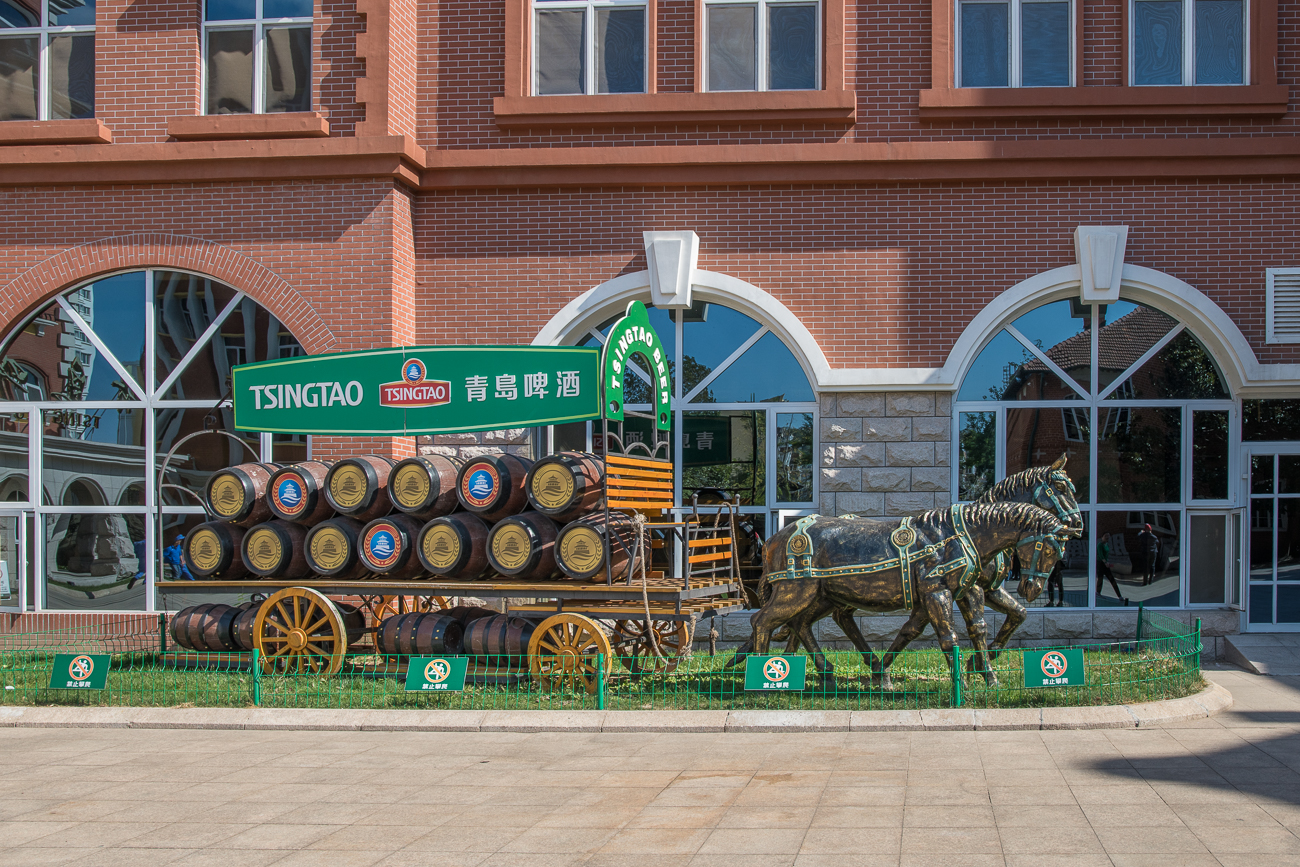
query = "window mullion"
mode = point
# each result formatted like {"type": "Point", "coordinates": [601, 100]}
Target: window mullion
{"type": "Point", "coordinates": [590, 48]}
{"type": "Point", "coordinates": [760, 45]}
{"type": "Point", "coordinates": [1013, 49]}
{"type": "Point", "coordinates": [259, 102]}
{"type": "Point", "coordinates": [1189, 42]}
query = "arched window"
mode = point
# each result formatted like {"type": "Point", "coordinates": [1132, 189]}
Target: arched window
{"type": "Point", "coordinates": [1146, 420]}
{"type": "Point", "coordinates": [744, 412]}
{"type": "Point", "coordinates": [96, 389]}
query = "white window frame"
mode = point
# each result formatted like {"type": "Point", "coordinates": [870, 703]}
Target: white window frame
{"type": "Point", "coordinates": [589, 8]}
{"type": "Point", "coordinates": [44, 32]}
{"type": "Point", "coordinates": [761, 58]}
{"type": "Point", "coordinates": [1189, 47]}
{"type": "Point", "coordinates": [259, 25]}
{"type": "Point", "coordinates": [1014, 61]}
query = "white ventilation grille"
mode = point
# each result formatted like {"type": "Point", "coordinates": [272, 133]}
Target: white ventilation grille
{"type": "Point", "coordinates": [1283, 319]}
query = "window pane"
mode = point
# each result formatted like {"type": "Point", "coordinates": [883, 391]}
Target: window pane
{"type": "Point", "coordinates": [1209, 455]}
{"type": "Point", "coordinates": [1261, 540]}
{"type": "Point", "coordinates": [198, 458]}
{"type": "Point", "coordinates": [733, 463]}
{"type": "Point", "coordinates": [794, 457]}
{"type": "Point", "coordinates": [1139, 459]}
{"type": "Point", "coordinates": [766, 373]}
{"type": "Point", "coordinates": [731, 48]}
{"type": "Point", "coordinates": [93, 457]}
{"type": "Point", "coordinates": [1220, 43]}
{"type": "Point", "coordinates": [1288, 539]}
{"type": "Point", "coordinates": [230, 71]}
{"type": "Point", "coordinates": [1158, 42]}
{"type": "Point", "coordinates": [1288, 474]}
{"type": "Point", "coordinates": [93, 561]}
{"type": "Point", "coordinates": [230, 10]}
{"type": "Point", "coordinates": [620, 50]}
{"type": "Point", "coordinates": [184, 307]}
{"type": "Point", "coordinates": [1045, 44]}
{"type": "Point", "coordinates": [1127, 332]}
{"type": "Point", "coordinates": [13, 458]}
{"type": "Point", "coordinates": [1067, 585]}
{"type": "Point", "coordinates": [560, 37]}
{"type": "Point", "coordinates": [985, 58]}
{"type": "Point", "coordinates": [1261, 603]}
{"type": "Point", "coordinates": [1036, 437]}
{"type": "Point", "coordinates": [114, 310]}
{"type": "Point", "coordinates": [1208, 559]}
{"type": "Point", "coordinates": [288, 69]}
{"type": "Point", "coordinates": [72, 13]}
{"type": "Point", "coordinates": [1261, 474]}
{"type": "Point", "coordinates": [1063, 329]}
{"type": "Point", "coordinates": [710, 333]}
{"type": "Point", "coordinates": [20, 13]}
{"type": "Point", "coordinates": [1138, 558]}
{"type": "Point", "coordinates": [287, 8]}
{"type": "Point", "coordinates": [1006, 370]}
{"type": "Point", "coordinates": [72, 76]}
{"type": "Point", "coordinates": [1268, 420]}
{"type": "Point", "coordinates": [978, 451]}
{"type": "Point", "coordinates": [18, 77]}
{"type": "Point", "coordinates": [1182, 370]}
{"type": "Point", "coordinates": [792, 47]}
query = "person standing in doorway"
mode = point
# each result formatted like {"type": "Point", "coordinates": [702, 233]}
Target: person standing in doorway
{"type": "Point", "coordinates": [1149, 545]}
{"type": "Point", "coordinates": [1103, 569]}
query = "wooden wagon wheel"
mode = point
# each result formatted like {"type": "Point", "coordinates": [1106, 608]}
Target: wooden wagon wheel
{"type": "Point", "coordinates": [563, 652]}
{"type": "Point", "coordinates": [299, 631]}
{"type": "Point", "coordinates": [632, 645]}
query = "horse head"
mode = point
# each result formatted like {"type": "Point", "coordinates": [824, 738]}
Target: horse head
{"type": "Point", "coordinates": [1042, 549]}
{"type": "Point", "coordinates": [1055, 493]}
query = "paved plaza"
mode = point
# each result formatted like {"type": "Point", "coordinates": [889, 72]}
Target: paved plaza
{"type": "Point", "coordinates": [1219, 791]}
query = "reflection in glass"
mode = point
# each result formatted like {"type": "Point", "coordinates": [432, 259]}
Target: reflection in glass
{"type": "Point", "coordinates": [1181, 370]}
{"type": "Point", "coordinates": [113, 308]}
{"type": "Point", "coordinates": [72, 76]}
{"type": "Point", "coordinates": [985, 44]}
{"type": "Point", "coordinates": [1158, 42]}
{"type": "Point", "coordinates": [1067, 586]}
{"type": "Point", "coordinates": [1207, 559]}
{"type": "Point", "coordinates": [1288, 603]}
{"type": "Point", "coordinates": [13, 457]}
{"type": "Point", "coordinates": [1220, 42]}
{"type": "Point", "coordinates": [230, 71]}
{"type": "Point", "coordinates": [1038, 436]}
{"type": "Point", "coordinates": [571, 437]}
{"type": "Point", "coordinates": [95, 561]}
{"type": "Point", "coordinates": [288, 69]}
{"type": "Point", "coordinates": [1261, 603]}
{"type": "Point", "coordinates": [794, 457]}
{"type": "Point", "coordinates": [1139, 455]}
{"type": "Point", "coordinates": [792, 47]}
{"type": "Point", "coordinates": [1138, 558]}
{"type": "Point", "coordinates": [184, 307]}
{"type": "Point", "coordinates": [995, 370]}
{"type": "Point", "coordinates": [1288, 474]}
{"type": "Point", "coordinates": [10, 571]}
{"type": "Point", "coordinates": [1261, 474]}
{"type": "Point", "coordinates": [1045, 44]}
{"type": "Point", "coordinates": [19, 13]}
{"type": "Point", "coordinates": [20, 72]}
{"type": "Point", "coordinates": [91, 456]}
{"type": "Point", "coordinates": [1210, 445]}
{"type": "Point", "coordinates": [1270, 420]}
{"type": "Point", "coordinates": [560, 37]}
{"type": "Point", "coordinates": [72, 13]}
{"type": "Point", "coordinates": [620, 50]}
{"type": "Point", "coordinates": [201, 456]}
{"type": "Point", "coordinates": [730, 458]}
{"type": "Point", "coordinates": [731, 48]}
{"type": "Point", "coordinates": [289, 448]}
{"type": "Point", "coordinates": [287, 8]}
{"type": "Point", "coordinates": [1260, 540]}
{"type": "Point", "coordinates": [230, 10]}
{"type": "Point", "coordinates": [1131, 332]}
{"type": "Point", "coordinates": [709, 339]}
{"type": "Point", "coordinates": [977, 453]}
{"type": "Point", "coordinates": [766, 373]}
{"type": "Point", "coordinates": [1062, 330]}
{"type": "Point", "coordinates": [1288, 539]}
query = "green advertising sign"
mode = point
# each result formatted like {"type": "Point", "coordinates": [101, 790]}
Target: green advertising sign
{"type": "Point", "coordinates": [775, 672]}
{"type": "Point", "coordinates": [706, 441]}
{"type": "Point", "coordinates": [80, 671]}
{"type": "Point", "coordinates": [436, 673]}
{"type": "Point", "coordinates": [1053, 668]}
{"type": "Point", "coordinates": [423, 389]}
{"type": "Point", "coordinates": [633, 335]}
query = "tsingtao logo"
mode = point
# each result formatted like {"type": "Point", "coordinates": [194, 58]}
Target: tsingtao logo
{"type": "Point", "coordinates": [415, 389]}
{"type": "Point", "coordinates": [480, 485]}
{"type": "Point", "coordinates": [288, 495]}
{"type": "Point", "coordinates": [381, 546]}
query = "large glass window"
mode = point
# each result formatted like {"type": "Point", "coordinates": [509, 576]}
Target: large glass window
{"type": "Point", "coordinates": [116, 374]}
{"type": "Point", "coordinates": [257, 56]}
{"type": "Point", "coordinates": [1188, 41]}
{"type": "Point", "coordinates": [1145, 419]}
{"type": "Point", "coordinates": [1015, 43]}
{"type": "Point", "coordinates": [589, 46]}
{"type": "Point", "coordinates": [47, 59]}
{"type": "Point", "coordinates": [762, 46]}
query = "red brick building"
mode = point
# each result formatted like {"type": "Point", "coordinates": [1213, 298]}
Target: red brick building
{"type": "Point", "coordinates": [902, 214]}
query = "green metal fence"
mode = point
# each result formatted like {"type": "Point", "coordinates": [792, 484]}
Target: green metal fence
{"type": "Point", "coordinates": [1163, 661]}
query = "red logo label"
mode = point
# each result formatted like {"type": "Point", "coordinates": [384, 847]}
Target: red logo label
{"type": "Point", "coordinates": [414, 389]}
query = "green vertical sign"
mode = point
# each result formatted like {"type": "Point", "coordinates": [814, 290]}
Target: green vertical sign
{"type": "Point", "coordinates": [775, 672]}
{"type": "Point", "coordinates": [436, 673]}
{"type": "Point", "coordinates": [1053, 668]}
{"type": "Point", "coordinates": [80, 671]}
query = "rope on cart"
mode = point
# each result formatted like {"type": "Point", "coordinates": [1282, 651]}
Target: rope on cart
{"type": "Point", "coordinates": [639, 528]}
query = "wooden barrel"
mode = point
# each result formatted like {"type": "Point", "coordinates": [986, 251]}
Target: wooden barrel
{"type": "Point", "coordinates": [467, 614]}
{"type": "Point", "coordinates": [455, 546]}
{"type": "Point", "coordinates": [354, 621]}
{"type": "Point", "coordinates": [194, 625]}
{"type": "Point", "coordinates": [180, 626]}
{"type": "Point", "coordinates": [523, 546]}
{"type": "Point", "coordinates": [243, 628]}
{"type": "Point", "coordinates": [332, 549]}
{"type": "Point", "coordinates": [425, 487]}
{"type": "Point", "coordinates": [501, 635]}
{"type": "Point", "coordinates": [297, 493]}
{"type": "Point", "coordinates": [238, 494]}
{"type": "Point", "coordinates": [358, 487]}
{"type": "Point", "coordinates": [492, 486]}
{"type": "Point", "coordinates": [211, 550]}
{"type": "Point", "coordinates": [387, 547]}
{"type": "Point", "coordinates": [276, 549]}
{"type": "Point", "coordinates": [389, 636]}
{"type": "Point", "coordinates": [567, 485]}
{"type": "Point", "coordinates": [218, 629]}
{"type": "Point", "coordinates": [583, 546]}
{"type": "Point", "coordinates": [428, 633]}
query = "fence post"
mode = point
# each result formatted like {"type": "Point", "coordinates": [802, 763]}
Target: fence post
{"type": "Point", "coordinates": [956, 675]}
{"type": "Point", "coordinates": [1200, 648]}
{"type": "Point", "coordinates": [1138, 637]}
{"type": "Point", "coordinates": [257, 678]}
{"type": "Point", "coordinates": [162, 632]}
{"type": "Point", "coordinates": [600, 681]}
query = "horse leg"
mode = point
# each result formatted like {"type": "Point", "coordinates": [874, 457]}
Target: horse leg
{"type": "Point", "coordinates": [789, 600]}
{"type": "Point", "coordinates": [939, 604]}
{"type": "Point", "coordinates": [972, 611]}
{"type": "Point", "coordinates": [843, 618]}
{"type": "Point", "coordinates": [825, 671]}
{"type": "Point", "coordinates": [1006, 604]}
{"type": "Point", "coordinates": [914, 626]}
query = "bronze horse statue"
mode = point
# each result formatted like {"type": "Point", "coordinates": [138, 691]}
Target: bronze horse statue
{"type": "Point", "coordinates": [1049, 488]}
{"type": "Point", "coordinates": [921, 564]}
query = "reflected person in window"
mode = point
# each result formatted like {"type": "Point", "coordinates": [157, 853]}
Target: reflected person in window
{"type": "Point", "coordinates": [174, 556]}
{"type": "Point", "coordinates": [1103, 569]}
{"type": "Point", "coordinates": [1149, 545]}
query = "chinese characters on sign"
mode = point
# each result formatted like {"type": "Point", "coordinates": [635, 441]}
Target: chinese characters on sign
{"type": "Point", "coordinates": [436, 674]}
{"type": "Point", "coordinates": [567, 384]}
{"type": "Point", "coordinates": [80, 671]}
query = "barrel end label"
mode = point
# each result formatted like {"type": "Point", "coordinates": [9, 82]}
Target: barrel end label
{"type": "Point", "coordinates": [581, 550]}
{"type": "Point", "coordinates": [264, 548]}
{"type": "Point", "coordinates": [227, 496]}
{"type": "Point", "coordinates": [552, 486]}
{"type": "Point", "coordinates": [347, 486]}
{"type": "Point", "coordinates": [203, 548]}
{"type": "Point", "coordinates": [511, 546]}
{"type": "Point", "coordinates": [289, 495]}
{"type": "Point", "coordinates": [410, 487]}
{"type": "Point", "coordinates": [480, 485]}
{"type": "Point", "coordinates": [441, 547]}
{"type": "Point", "coordinates": [381, 546]}
{"type": "Point", "coordinates": [329, 548]}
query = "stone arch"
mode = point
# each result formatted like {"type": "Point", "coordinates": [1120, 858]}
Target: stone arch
{"type": "Point", "coordinates": [157, 250]}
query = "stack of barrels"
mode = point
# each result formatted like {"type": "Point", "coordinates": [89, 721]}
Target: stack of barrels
{"type": "Point", "coordinates": [424, 517]}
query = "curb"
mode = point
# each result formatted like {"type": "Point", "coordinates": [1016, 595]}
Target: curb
{"type": "Point", "coordinates": [1206, 703]}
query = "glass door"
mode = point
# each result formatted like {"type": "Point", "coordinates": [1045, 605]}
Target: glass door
{"type": "Point", "coordinates": [1273, 537]}
{"type": "Point", "coordinates": [16, 576]}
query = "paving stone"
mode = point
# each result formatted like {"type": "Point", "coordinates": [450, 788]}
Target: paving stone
{"type": "Point", "coordinates": [841, 430]}
{"type": "Point", "coordinates": [860, 455]}
{"type": "Point", "coordinates": [425, 721]}
{"type": "Point", "coordinates": [896, 430]}
{"type": "Point", "coordinates": [909, 454]}
{"type": "Point", "coordinates": [871, 404]}
{"type": "Point", "coordinates": [1008, 719]}
{"type": "Point", "coordinates": [792, 720]}
{"type": "Point", "coordinates": [908, 403]}
{"type": "Point", "coordinates": [947, 719]}
{"type": "Point", "coordinates": [1163, 712]}
{"type": "Point", "coordinates": [542, 721]}
{"type": "Point", "coordinates": [884, 720]}
{"type": "Point", "coordinates": [1110, 717]}
{"type": "Point", "coordinates": [665, 721]}
{"type": "Point", "coordinates": [841, 479]}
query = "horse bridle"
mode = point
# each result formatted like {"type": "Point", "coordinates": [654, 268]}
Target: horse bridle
{"type": "Point", "coordinates": [1047, 488]}
{"type": "Point", "coordinates": [1041, 542]}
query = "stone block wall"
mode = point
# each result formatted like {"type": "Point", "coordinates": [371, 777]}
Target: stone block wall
{"type": "Point", "coordinates": [885, 454]}
{"type": "Point", "coordinates": [465, 446]}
